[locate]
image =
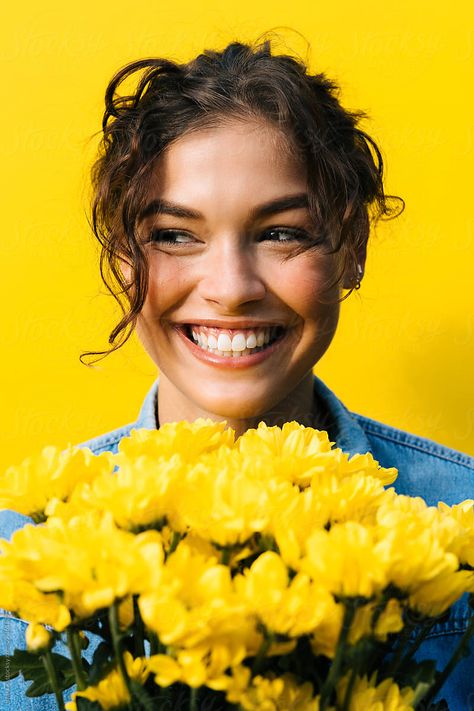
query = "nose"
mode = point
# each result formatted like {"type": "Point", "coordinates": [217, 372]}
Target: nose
{"type": "Point", "coordinates": [231, 276]}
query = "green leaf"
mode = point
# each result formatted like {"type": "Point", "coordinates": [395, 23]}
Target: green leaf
{"type": "Point", "coordinates": [422, 673]}
{"type": "Point", "coordinates": [6, 670]}
{"type": "Point", "coordinates": [31, 667]}
{"type": "Point", "coordinates": [22, 660]}
{"type": "Point", "coordinates": [39, 687]}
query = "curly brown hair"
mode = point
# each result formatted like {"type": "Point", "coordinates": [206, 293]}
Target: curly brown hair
{"type": "Point", "coordinates": [243, 81]}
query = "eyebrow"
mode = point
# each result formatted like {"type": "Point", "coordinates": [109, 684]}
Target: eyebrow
{"type": "Point", "coordinates": [165, 207]}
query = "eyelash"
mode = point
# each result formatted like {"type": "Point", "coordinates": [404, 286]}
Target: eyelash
{"type": "Point", "coordinates": [157, 236]}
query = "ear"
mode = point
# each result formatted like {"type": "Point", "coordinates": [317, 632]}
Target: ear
{"type": "Point", "coordinates": [351, 278]}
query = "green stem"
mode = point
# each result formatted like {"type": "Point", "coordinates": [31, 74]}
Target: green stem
{"type": "Point", "coordinates": [350, 685]}
{"type": "Point", "coordinates": [455, 658]}
{"type": "Point", "coordinates": [117, 645]}
{"type": "Point", "coordinates": [74, 648]}
{"type": "Point", "coordinates": [193, 699]}
{"type": "Point", "coordinates": [335, 669]}
{"type": "Point", "coordinates": [406, 650]}
{"type": "Point", "coordinates": [225, 557]}
{"type": "Point", "coordinates": [416, 644]}
{"type": "Point", "coordinates": [53, 679]}
{"type": "Point", "coordinates": [403, 645]}
{"type": "Point", "coordinates": [139, 629]}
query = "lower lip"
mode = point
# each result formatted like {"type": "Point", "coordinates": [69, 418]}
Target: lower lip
{"type": "Point", "coordinates": [229, 361]}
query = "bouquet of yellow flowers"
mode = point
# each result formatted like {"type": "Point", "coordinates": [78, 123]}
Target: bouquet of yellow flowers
{"type": "Point", "coordinates": [195, 570]}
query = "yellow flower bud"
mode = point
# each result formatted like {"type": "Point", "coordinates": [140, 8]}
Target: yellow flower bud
{"type": "Point", "coordinates": [37, 637]}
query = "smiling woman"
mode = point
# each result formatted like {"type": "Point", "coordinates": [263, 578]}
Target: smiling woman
{"type": "Point", "coordinates": [233, 199]}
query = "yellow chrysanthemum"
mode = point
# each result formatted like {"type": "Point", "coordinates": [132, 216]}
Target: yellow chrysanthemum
{"type": "Point", "coordinates": [190, 440]}
{"type": "Point", "coordinates": [293, 607]}
{"type": "Point", "coordinates": [462, 543]}
{"type": "Point", "coordinates": [416, 540]}
{"type": "Point", "coordinates": [37, 637]}
{"type": "Point", "coordinates": [126, 612]}
{"type": "Point", "coordinates": [25, 601]}
{"type": "Point", "coordinates": [294, 517]}
{"type": "Point", "coordinates": [295, 450]}
{"type": "Point", "coordinates": [365, 465]}
{"type": "Point", "coordinates": [111, 692]}
{"type": "Point", "coordinates": [325, 638]}
{"type": "Point", "coordinates": [367, 695]}
{"type": "Point", "coordinates": [51, 474]}
{"type": "Point", "coordinates": [225, 497]}
{"type": "Point", "coordinates": [354, 497]}
{"type": "Point", "coordinates": [197, 666]}
{"type": "Point", "coordinates": [330, 499]}
{"type": "Point", "coordinates": [433, 597]}
{"type": "Point", "coordinates": [87, 558]}
{"type": "Point", "coordinates": [390, 620]}
{"type": "Point", "coordinates": [268, 693]}
{"type": "Point", "coordinates": [196, 610]}
{"type": "Point", "coordinates": [347, 560]}
{"type": "Point", "coordinates": [140, 494]}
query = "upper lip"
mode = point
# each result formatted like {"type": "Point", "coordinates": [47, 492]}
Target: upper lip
{"type": "Point", "coordinates": [231, 324]}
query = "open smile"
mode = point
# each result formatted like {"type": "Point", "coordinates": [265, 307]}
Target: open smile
{"type": "Point", "coordinates": [232, 347]}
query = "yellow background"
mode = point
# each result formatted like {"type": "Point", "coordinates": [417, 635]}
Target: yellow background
{"type": "Point", "coordinates": [404, 350]}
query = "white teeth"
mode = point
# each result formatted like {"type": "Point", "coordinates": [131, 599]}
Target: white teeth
{"type": "Point", "coordinates": [251, 341]}
{"type": "Point", "coordinates": [224, 343]}
{"type": "Point", "coordinates": [239, 345]}
{"type": "Point", "coordinates": [239, 342]}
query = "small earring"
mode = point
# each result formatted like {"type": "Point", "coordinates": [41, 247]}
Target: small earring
{"type": "Point", "coordinates": [360, 271]}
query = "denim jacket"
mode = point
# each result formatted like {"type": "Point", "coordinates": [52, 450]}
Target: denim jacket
{"type": "Point", "coordinates": [425, 468]}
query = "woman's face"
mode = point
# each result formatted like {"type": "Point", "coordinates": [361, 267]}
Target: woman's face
{"type": "Point", "coordinates": [217, 250]}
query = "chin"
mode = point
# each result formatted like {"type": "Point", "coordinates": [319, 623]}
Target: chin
{"type": "Point", "coordinates": [239, 404]}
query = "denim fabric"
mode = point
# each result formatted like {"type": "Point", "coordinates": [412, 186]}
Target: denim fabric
{"type": "Point", "coordinates": [425, 468]}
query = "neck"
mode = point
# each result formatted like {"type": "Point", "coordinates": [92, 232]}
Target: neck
{"type": "Point", "coordinates": [299, 405]}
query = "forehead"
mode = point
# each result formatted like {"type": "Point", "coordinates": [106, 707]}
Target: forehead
{"type": "Point", "coordinates": [239, 158]}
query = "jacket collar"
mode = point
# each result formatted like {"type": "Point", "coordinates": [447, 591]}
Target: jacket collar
{"type": "Point", "coordinates": [341, 424]}
{"type": "Point", "coordinates": [343, 428]}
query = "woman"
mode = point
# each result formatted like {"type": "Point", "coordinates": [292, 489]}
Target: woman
{"type": "Point", "coordinates": [233, 199]}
